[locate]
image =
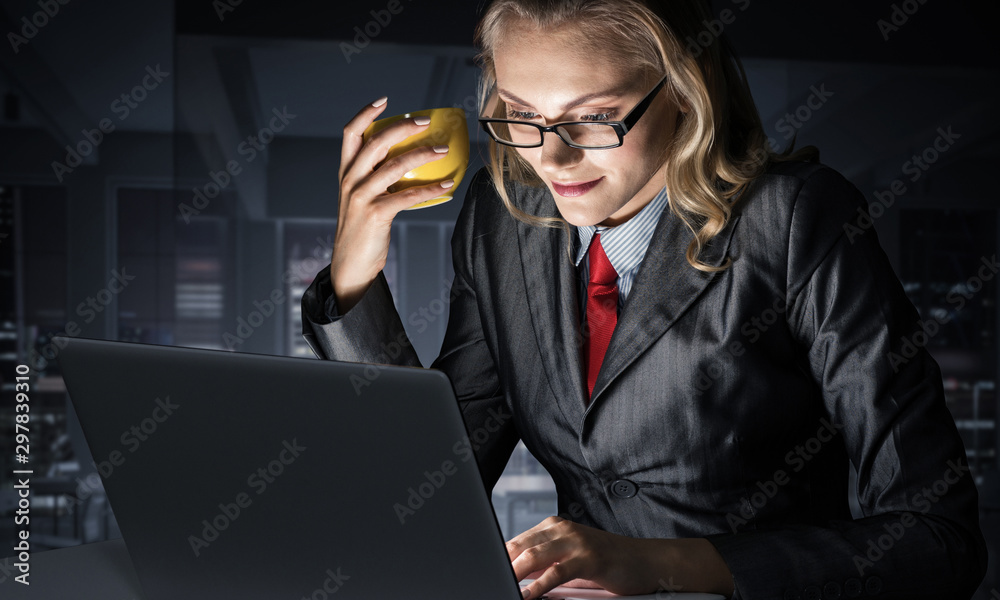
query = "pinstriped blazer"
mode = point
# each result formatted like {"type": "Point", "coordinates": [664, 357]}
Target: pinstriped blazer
{"type": "Point", "coordinates": [729, 405]}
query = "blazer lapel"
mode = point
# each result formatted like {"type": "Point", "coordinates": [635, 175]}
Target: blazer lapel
{"type": "Point", "coordinates": [663, 289]}
{"type": "Point", "coordinates": [550, 279]}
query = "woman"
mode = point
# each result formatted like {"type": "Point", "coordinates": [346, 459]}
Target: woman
{"type": "Point", "coordinates": [675, 320]}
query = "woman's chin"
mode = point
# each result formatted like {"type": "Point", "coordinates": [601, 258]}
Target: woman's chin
{"type": "Point", "coordinates": [579, 218]}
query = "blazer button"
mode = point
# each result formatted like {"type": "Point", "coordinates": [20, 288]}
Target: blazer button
{"type": "Point", "coordinates": [853, 587]}
{"type": "Point", "coordinates": [873, 585]}
{"type": "Point", "coordinates": [623, 488]}
{"type": "Point", "coordinates": [831, 591]}
{"type": "Point", "coordinates": [812, 593]}
{"type": "Point", "coordinates": [792, 595]}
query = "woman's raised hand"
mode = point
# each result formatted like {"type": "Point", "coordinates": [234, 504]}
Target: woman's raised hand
{"type": "Point", "coordinates": [367, 208]}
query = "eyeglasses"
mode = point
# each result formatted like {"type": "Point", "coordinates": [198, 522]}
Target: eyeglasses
{"type": "Point", "coordinates": [586, 135]}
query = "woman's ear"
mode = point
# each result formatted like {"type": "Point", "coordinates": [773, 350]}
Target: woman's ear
{"type": "Point", "coordinates": [679, 100]}
{"type": "Point", "coordinates": [682, 103]}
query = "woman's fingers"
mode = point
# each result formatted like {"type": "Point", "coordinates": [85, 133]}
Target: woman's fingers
{"type": "Point", "coordinates": [557, 552]}
{"type": "Point", "coordinates": [363, 155]}
{"type": "Point", "coordinates": [539, 558]}
{"type": "Point", "coordinates": [372, 155]}
{"type": "Point", "coordinates": [361, 175]}
{"type": "Point", "coordinates": [391, 204]}
{"type": "Point", "coordinates": [534, 550]}
{"type": "Point", "coordinates": [395, 168]}
{"type": "Point", "coordinates": [354, 130]}
{"type": "Point", "coordinates": [524, 540]}
{"type": "Point", "coordinates": [555, 575]}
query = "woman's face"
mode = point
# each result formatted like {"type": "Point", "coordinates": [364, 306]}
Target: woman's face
{"type": "Point", "coordinates": [546, 78]}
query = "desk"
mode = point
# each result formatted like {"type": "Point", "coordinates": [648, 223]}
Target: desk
{"type": "Point", "coordinates": [103, 571]}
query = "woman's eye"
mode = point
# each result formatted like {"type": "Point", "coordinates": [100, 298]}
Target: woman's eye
{"type": "Point", "coordinates": [528, 116]}
{"type": "Point", "coordinates": [520, 115]}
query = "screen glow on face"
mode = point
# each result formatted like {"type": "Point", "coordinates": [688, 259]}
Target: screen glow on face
{"type": "Point", "coordinates": [544, 81]}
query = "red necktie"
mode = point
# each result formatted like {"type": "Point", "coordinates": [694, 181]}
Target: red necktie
{"type": "Point", "coordinates": [602, 310]}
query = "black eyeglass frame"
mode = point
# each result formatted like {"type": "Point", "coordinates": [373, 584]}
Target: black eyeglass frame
{"type": "Point", "coordinates": [620, 127]}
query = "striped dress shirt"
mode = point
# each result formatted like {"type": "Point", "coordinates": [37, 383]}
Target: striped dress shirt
{"type": "Point", "coordinates": [624, 244]}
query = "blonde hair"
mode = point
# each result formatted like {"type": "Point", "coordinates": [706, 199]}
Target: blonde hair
{"type": "Point", "coordinates": [719, 146]}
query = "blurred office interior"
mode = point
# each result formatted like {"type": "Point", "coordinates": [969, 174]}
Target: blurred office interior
{"type": "Point", "coordinates": [119, 118]}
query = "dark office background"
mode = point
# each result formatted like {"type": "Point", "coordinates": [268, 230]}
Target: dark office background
{"type": "Point", "coordinates": [179, 86]}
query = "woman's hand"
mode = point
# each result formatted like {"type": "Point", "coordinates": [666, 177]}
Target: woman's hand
{"type": "Point", "coordinates": [559, 552]}
{"type": "Point", "coordinates": [366, 207]}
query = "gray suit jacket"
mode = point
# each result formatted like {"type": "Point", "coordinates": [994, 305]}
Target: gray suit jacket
{"type": "Point", "coordinates": [728, 406]}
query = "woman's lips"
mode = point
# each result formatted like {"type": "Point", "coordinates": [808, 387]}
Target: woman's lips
{"type": "Point", "coordinates": [575, 189]}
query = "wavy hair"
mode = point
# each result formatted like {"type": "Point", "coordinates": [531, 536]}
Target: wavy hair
{"type": "Point", "coordinates": [719, 146]}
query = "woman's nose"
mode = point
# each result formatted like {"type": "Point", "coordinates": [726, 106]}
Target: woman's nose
{"type": "Point", "coordinates": [556, 155]}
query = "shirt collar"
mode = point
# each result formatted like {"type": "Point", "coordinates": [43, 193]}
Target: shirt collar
{"type": "Point", "coordinates": [624, 244]}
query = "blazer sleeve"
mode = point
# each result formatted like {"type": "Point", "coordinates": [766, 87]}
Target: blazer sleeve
{"type": "Point", "coordinates": [372, 332]}
{"type": "Point", "coordinates": [863, 344]}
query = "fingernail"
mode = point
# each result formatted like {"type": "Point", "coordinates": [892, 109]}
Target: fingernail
{"type": "Point", "coordinates": [380, 101]}
{"type": "Point", "coordinates": [422, 120]}
{"type": "Point", "coordinates": [447, 184]}
{"type": "Point", "coordinates": [441, 149]}
{"type": "Point", "coordinates": [525, 592]}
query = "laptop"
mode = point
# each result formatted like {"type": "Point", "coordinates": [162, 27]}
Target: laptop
{"type": "Point", "coordinates": [235, 475]}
